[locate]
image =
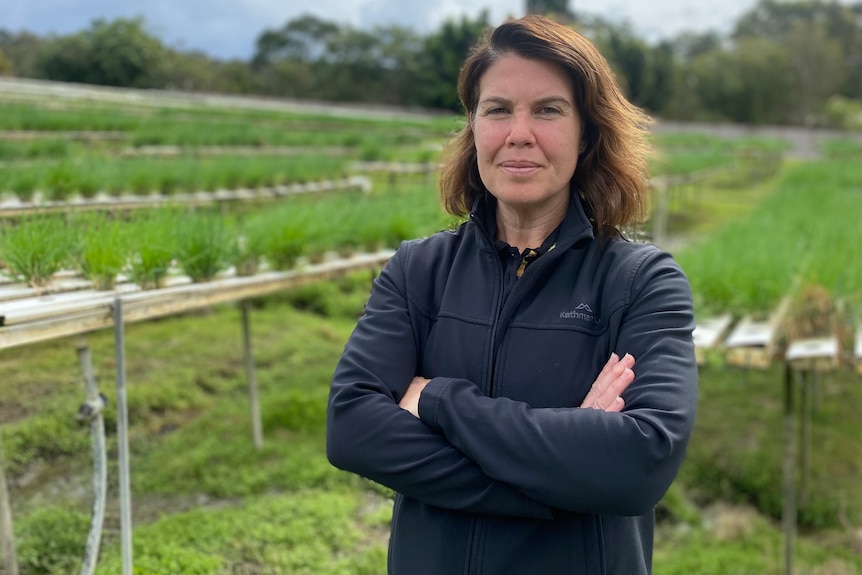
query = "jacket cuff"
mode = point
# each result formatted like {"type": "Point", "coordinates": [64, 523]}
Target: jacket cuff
{"type": "Point", "coordinates": [431, 400]}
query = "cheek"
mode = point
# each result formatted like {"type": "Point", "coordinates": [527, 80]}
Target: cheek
{"type": "Point", "coordinates": [564, 149]}
{"type": "Point", "coordinates": [488, 140]}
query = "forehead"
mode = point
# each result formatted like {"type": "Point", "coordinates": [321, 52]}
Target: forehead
{"type": "Point", "coordinates": [512, 75]}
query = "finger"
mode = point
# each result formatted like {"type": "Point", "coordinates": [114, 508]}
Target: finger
{"type": "Point", "coordinates": [616, 405]}
{"type": "Point", "coordinates": [627, 360]}
{"type": "Point", "coordinates": [619, 379]}
{"type": "Point", "coordinates": [614, 367]}
{"type": "Point", "coordinates": [610, 363]}
{"type": "Point", "coordinates": [616, 388]}
{"type": "Point", "coordinates": [611, 391]}
{"type": "Point", "coordinates": [604, 378]}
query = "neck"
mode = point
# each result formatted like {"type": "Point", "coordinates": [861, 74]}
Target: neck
{"type": "Point", "coordinates": [524, 229]}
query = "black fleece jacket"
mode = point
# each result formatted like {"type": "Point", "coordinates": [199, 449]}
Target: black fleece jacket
{"type": "Point", "coordinates": [504, 474]}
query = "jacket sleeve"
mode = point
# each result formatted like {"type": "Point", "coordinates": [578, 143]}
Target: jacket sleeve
{"type": "Point", "coordinates": [586, 460]}
{"type": "Point", "coordinates": [369, 434]}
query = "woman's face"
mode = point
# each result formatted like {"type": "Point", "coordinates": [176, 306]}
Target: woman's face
{"type": "Point", "coordinates": [527, 131]}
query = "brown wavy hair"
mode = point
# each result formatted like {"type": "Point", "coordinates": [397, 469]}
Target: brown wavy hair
{"type": "Point", "coordinates": [612, 174]}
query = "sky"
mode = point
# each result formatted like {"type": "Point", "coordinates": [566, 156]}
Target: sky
{"type": "Point", "coordinates": [228, 29]}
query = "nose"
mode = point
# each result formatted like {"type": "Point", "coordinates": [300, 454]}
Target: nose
{"type": "Point", "coordinates": [520, 131]}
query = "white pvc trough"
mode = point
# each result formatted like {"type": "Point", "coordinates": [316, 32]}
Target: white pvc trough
{"type": "Point", "coordinates": [751, 343]}
{"type": "Point", "coordinates": [816, 354]}
{"type": "Point", "coordinates": [708, 334]}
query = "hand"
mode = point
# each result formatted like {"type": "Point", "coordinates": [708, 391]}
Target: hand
{"type": "Point", "coordinates": [410, 401]}
{"type": "Point", "coordinates": [611, 382]}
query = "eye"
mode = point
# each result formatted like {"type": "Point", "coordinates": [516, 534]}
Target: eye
{"type": "Point", "coordinates": [496, 111]}
{"type": "Point", "coordinates": [549, 110]}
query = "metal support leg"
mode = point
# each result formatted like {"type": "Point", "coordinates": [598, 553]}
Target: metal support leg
{"type": "Point", "coordinates": [788, 512]}
{"type": "Point", "coordinates": [7, 536]}
{"type": "Point", "coordinates": [806, 380]}
{"type": "Point", "coordinates": [251, 376]}
{"type": "Point", "coordinates": [123, 441]}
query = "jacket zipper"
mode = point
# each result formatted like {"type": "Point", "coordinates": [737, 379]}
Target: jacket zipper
{"type": "Point", "coordinates": [509, 306]}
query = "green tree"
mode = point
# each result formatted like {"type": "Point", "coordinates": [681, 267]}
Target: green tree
{"type": "Point", "coordinates": [353, 62]}
{"type": "Point", "coordinates": [645, 73]}
{"type": "Point", "coordinates": [377, 66]}
{"type": "Point", "coordinates": [291, 61]}
{"type": "Point", "coordinates": [554, 8]}
{"type": "Point", "coordinates": [750, 84]}
{"type": "Point", "coordinates": [442, 55]}
{"type": "Point", "coordinates": [118, 53]}
{"type": "Point", "coordinates": [195, 71]}
{"type": "Point", "coordinates": [304, 39]}
{"type": "Point", "coordinates": [20, 50]}
{"type": "Point", "coordinates": [819, 67]}
{"type": "Point", "coordinates": [402, 64]}
{"type": "Point", "coordinates": [125, 54]}
{"type": "Point", "coordinates": [690, 45]}
{"type": "Point", "coordinates": [5, 66]}
{"type": "Point", "coordinates": [836, 65]}
{"type": "Point", "coordinates": [64, 59]}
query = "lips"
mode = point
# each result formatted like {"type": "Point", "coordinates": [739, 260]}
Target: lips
{"type": "Point", "coordinates": [519, 167]}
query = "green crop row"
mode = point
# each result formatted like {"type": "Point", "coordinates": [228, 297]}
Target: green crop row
{"type": "Point", "coordinates": [89, 174]}
{"type": "Point", "coordinates": [220, 127]}
{"type": "Point", "coordinates": [34, 149]}
{"type": "Point", "coordinates": [204, 243]}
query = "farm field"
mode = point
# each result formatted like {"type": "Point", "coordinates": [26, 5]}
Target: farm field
{"type": "Point", "coordinates": [748, 229]}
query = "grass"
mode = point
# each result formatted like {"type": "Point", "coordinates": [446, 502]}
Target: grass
{"type": "Point", "coordinates": [798, 235]}
{"type": "Point", "coordinates": [87, 174]}
{"type": "Point", "coordinates": [838, 148]}
{"type": "Point", "coordinates": [742, 463]}
{"type": "Point", "coordinates": [102, 248]}
{"type": "Point", "coordinates": [207, 502]}
{"type": "Point", "coordinates": [205, 242]}
{"type": "Point", "coordinates": [205, 245]}
{"type": "Point", "coordinates": [35, 248]}
{"type": "Point", "coordinates": [154, 248]}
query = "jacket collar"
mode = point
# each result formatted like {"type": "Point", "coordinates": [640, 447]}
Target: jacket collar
{"type": "Point", "coordinates": [576, 226]}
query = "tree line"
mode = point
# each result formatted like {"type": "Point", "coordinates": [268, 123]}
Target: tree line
{"type": "Point", "coordinates": [795, 62]}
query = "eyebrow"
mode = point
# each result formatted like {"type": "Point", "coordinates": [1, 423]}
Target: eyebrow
{"type": "Point", "coordinates": [540, 102]}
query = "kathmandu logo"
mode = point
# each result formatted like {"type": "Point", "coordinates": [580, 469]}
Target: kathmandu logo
{"type": "Point", "coordinates": [583, 312]}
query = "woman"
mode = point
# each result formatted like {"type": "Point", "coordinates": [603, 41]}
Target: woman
{"type": "Point", "coordinates": [491, 381]}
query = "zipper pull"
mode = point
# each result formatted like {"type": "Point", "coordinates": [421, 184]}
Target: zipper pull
{"type": "Point", "coordinates": [528, 257]}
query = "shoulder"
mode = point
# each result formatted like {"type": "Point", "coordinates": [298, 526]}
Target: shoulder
{"type": "Point", "coordinates": [430, 252]}
{"type": "Point", "coordinates": [631, 267]}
